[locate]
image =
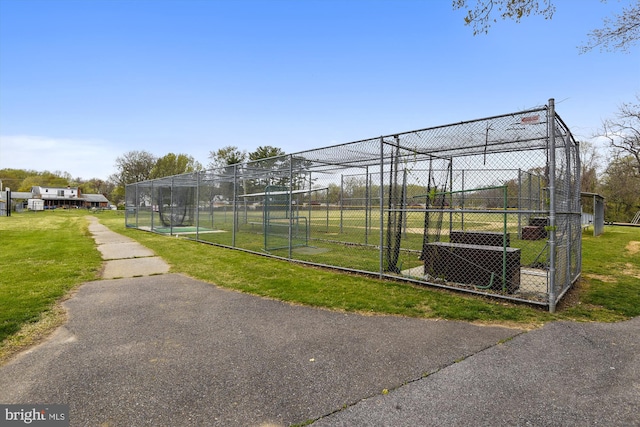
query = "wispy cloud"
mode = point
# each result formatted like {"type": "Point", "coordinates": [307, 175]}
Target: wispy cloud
{"type": "Point", "coordinates": [80, 158]}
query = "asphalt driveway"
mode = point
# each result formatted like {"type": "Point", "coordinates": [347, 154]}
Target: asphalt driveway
{"type": "Point", "coordinates": [167, 350]}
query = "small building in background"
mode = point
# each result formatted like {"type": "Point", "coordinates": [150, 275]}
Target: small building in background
{"type": "Point", "coordinates": [35, 204]}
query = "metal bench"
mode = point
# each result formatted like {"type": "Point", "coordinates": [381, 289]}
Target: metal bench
{"type": "Point", "coordinates": [486, 267]}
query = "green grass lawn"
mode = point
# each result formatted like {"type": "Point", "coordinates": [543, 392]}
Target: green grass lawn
{"type": "Point", "coordinates": [45, 255]}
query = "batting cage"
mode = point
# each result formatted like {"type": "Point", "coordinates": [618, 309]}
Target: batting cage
{"type": "Point", "coordinates": [488, 206]}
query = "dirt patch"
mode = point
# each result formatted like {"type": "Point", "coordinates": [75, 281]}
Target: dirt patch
{"type": "Point", "coordinates": [602, 278]}
{"type": "Point", "coordinates": [631, 270]}
{"type": "Point", "coordinates": [573, 295]}
{"type": "Point", "coordinates": [633, 247]}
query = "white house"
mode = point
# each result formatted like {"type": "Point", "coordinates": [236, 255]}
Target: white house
{"type": "Point", "coordinates": [68, 197]}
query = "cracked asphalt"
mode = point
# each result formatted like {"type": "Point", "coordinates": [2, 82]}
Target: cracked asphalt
{"type": "Point", "coordinates": [150, 348]}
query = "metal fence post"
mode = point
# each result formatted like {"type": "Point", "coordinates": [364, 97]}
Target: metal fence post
{"type": "Point", "coordinates": [462, 201]}
{"type": "Point", "coordinates": [197, 205]}
{"type": "Point", "coordinates": [310, 207]}
{"type": "Point", "coordinates": [137, 201]}
{"type": "Point", "coordinates": [234, 221]}
{"type": "Point", "coordinates": [519, 203]}
{"type": "Point", "coordinates": [381, 197]}
{"type": "Point", "coordinates": [153, 212]}
{"type": "Point", "coordinates": [367, 214]}
{"type": "Point", "coordinates": [290, 207]}
{"type": "Point", "coordinates": [551, 121]}
{"type": "Point", "coordinates": [172, 210]}
{"type": "Point", "coordinates": [341, 201]}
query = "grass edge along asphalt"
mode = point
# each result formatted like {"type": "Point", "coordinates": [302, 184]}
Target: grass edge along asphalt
{"type": "Point", "coordinates": [46, 255]}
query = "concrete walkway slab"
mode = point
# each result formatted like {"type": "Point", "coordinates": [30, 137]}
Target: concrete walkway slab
{"type": "Point", "coordinates": [134, 267]}
{"type": "Point", "coordinates": [107, 237]}
{"type": "Point", "coordinates": [96, 227]}
{"type": "Point", "coordinates": [124, 250]}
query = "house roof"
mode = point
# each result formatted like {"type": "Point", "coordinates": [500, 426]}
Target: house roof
{"type": "Point", "coordinates": [93, 198]}
{"type": "Point", "coordinates": [17, 195]}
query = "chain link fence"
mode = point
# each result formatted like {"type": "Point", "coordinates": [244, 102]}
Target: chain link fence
{"type": "Point", "coordinates": [489, 206]}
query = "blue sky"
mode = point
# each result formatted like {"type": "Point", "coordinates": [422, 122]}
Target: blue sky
{"type": "Point", "coordinates": [84, 81]}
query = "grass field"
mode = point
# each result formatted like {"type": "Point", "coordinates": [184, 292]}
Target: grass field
{"type": "Point", "coordinates": [45, 255]}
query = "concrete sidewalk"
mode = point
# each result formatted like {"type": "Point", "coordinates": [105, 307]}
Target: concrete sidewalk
{"type": "Point", "coordinates": [167, 350]}
{"type": "Point", "coordinates": [124, 257]}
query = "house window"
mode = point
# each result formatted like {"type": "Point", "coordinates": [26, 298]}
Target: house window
{"type": "Point", "coordinates": [61, 193]}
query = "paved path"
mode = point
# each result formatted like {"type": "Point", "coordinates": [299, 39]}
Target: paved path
{"type": "Point", "coordinates": [124, 256]}
{"type": "Point", "coordinates": [154, 349]}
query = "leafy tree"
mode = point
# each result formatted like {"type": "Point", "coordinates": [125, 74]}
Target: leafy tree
{"type": "Point", "coordinates": [265, 152]}
{"type": "Point", "coordinates": [174, 164]}
{"type": "Point", "coordinates": [226, 156]}
{"type": "Point", "coordinates": [226, 160]}
{"type": "Point", "coordinates": [24, 180]}
{"type": "Point", "coordinates": [300, 167]}
{"type": "Point", "coordinates": [266, 160]}
{"type": "Point", "coordinates": [621, 189]}
{"type": "Point", "coordinates": [45, 179]}
{"type": "Point", "coordinates": [132, 166]}
{"type": "Point", "coordinates": [13, 178]}
{"type": "Point", "coordinates": [354, 190]}
{"type": "Point", "coordinates": [96, 186]}
{"type": "Point", "coordinates": [333, 196]}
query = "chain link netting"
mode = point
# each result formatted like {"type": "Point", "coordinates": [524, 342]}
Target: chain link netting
{"type": "Point", "coordinates": [490, 206]}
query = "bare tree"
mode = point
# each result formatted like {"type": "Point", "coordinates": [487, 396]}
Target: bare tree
{"type": "Point", "coordinates": [623, 131]}
{"type": "Point", "coordinates": [589, 165]}
{"type": "Point", "coordinates": [618, 33]}
{"type": "Point", "coordinates": [483, 13]}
